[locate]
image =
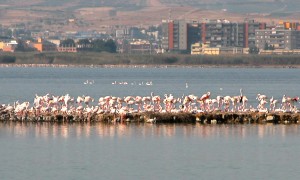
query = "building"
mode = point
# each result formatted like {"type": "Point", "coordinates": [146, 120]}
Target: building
{"type": "Point", "coordinates": [193, 34]}
{"type": "Point", "coordinates": [217, 33]}
{"type": "Point", "coordinates": [42, 45]}
{"type": "Point", "coordinates": [140, 47]}
{"type": "Point", "coordinates": [179, 35]}
{"type": "Point", "coordinates": [290, 25]}
{"type": "Point", "coordinates": [175, 35]}
{"type": "Point", "coordinates": [277, 38]}
{"type": "Point", "coordinates": [67, 49]}
{"type": "Point", "coordinates": [1, 45]}
{"type": "Point", "coordinates": [279, 52]}
{"type": "Point", "coordinates": [8, 46]}
{"type": "Point", "coordinates": [244, 33]}
{"type": "Point", "coordinates": [204, 49]}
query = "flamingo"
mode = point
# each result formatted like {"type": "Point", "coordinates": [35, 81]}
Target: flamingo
{"type": "Point", "coordinates": [156, 101]}
{"type": "Point", "coordinates": [203, 98]}
{"type": "Point", "coordinates": [88, 99]}
{"type": "Point", "coordinates": [79, 100]}
{"type": "Point", "coordinates": [168, 101]}
{"type": "Point", "coordinates": [227, 100]}
{"type": "Point", "coordinates": [243, 100]}
{"type": "Point", "coordinates": [67, 99]}
{"type": "Point", "coordinates": [273, 103]}
{"type": "Point", "coordinates": [129, 100]}
{"type": "Point", "coordinates": [259, 97]}
{"type": "Point", "coordinates": [219, 101]}
{"type": "Point", "coordinates": [290, 102]}
{"type": "Point", "coordinates": [188, 102]}
{"type": "Point", "coordinates": [261, 105]}
{"type": "Point", "coordinates": [235, 100]}
{"type": "Point", "coordinates": [139, 102]}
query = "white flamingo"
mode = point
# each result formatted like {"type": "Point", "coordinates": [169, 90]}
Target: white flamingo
{"type": "Point", "coordinates": [273, 103]}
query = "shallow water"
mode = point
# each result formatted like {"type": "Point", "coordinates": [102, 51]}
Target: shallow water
{"type": "Point", "coordinates": [23, 83]}
{"type": "Point", "coordinates": [148, 151]}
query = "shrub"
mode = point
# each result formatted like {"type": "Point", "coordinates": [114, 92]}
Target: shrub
{"type": "Point", "coordinates": [7, 59]}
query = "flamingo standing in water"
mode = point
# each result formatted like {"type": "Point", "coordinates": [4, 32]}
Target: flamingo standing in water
{"type": "Point", "coordinates": [243, 100]}
{"type": "Point", "coordinates": [219, 102]}
{"type": "Point", "coordinates": [79, 100]}
{"type": "Point", "coordinates": [273, 103]}
{"type": "Point", "coordinates": [259, 97]}
{"type": "Point", "coordinates": [290, 102]}
{"type": "Point", "coordinates": [203, 98]}
{"type": "Point", "coordinates": [168, 101]}
{"type": "Point", "coordinates": [227, 100]}
{"type": "Point", "coordinates": [139, 102]}
{"type": "Point", "coordinates": [235, 100]}
{"type": "Point", "coordinates": [187, 103]}
{"type": "Point", "coordinates": [88, 99]}
{"type": "Point", "coordinates": [156, 101]}
{"type": "Point", "coordinates": [261, 105]}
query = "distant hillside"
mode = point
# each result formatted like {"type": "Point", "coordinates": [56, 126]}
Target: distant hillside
{"type": "Point", "coordinates": [97, 14]}
{"type": "Point", "coordinates": [241, 6]}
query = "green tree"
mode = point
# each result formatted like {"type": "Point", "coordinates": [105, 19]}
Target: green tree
{"type": "Point", "coordinates": [269, 47]}
{"type": "Point", "coordinates": [98, 45]}
{"type": "Point", "coordinates": [67, 43]}
{"type": "Point", "coordinates": [23, 47]}
{"type": "Point", "coordinates": [253, 50]}
{"type": "Point", "coordinates": [110, 46]}
{"type": "Point", "coordinates": [266, 46]}
{"type": "Point", "coordinates": [7, 59]}
{"type": "Point", "coordinates": [84, 45]}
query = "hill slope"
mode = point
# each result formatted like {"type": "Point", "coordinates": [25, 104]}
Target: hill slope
{"type": "Point", "coordinates": [98, 14]}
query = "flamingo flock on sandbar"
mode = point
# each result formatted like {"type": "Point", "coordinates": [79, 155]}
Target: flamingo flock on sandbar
{"type": "Point", "coordinates": [67, 105]}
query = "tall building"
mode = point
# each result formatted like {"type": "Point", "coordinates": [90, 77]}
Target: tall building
{"type": "Point", "coordinates": [193, 34]}
{"type": "Point", "coordinates": [179, 35]}
{"type": "Point", "coordinates": [217, 33]}
{"type": "Point", "coordinates": [277, 38]}
{"type": "Point", "coordinates": [244, 33]}
{"type": "Point", "coordinates": [174, 35]}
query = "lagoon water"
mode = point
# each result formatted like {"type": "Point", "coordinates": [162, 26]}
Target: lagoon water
{"type": "Point", "coordinates": [23, 83]}
{"type": "Point", "coordinates": [148, 151]}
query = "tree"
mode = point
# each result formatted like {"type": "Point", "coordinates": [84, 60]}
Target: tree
{"type": "Point", "coordinates": [98, 45]}
{"type": "Point", "coordinates": [67, 43]}
{"type": "Point", "coordinates": [253, 50]}
{"type": "Point", "coordinates": [110, 46]}
{"type": "Point", "coordinates": [266, 46]}
{"type": "Point", "coordinates": [269, 47]}
{"type": "Point", "coordinates": [7, 59]}
{"type": "Point", "coordinates": [84, 45]}
{"type": "Point", "coordinates": [22, 46]}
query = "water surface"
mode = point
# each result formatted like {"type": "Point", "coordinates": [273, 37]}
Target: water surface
{"type": "Point", "coordinates": [148, 151]}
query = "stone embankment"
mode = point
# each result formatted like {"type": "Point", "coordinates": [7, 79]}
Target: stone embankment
{"type": "Point", "coordinates": [154, 117]}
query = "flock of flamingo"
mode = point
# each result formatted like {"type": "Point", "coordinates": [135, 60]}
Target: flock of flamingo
{"type": "Point", "coordinates": [68, 105]}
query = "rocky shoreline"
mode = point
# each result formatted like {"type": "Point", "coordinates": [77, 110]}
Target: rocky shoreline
{"type": "Point", "coordinates": [155, 117]}
{"type": "Point", "coordinates": [141, 66]}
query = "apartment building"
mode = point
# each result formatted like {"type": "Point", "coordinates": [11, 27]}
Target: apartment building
{"type": "Point", "coordinates": [278, 38]}
{"type": "Point", "coordinates": [175, 35]}
{"type": "Point", "coordinates": [180, 35]}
